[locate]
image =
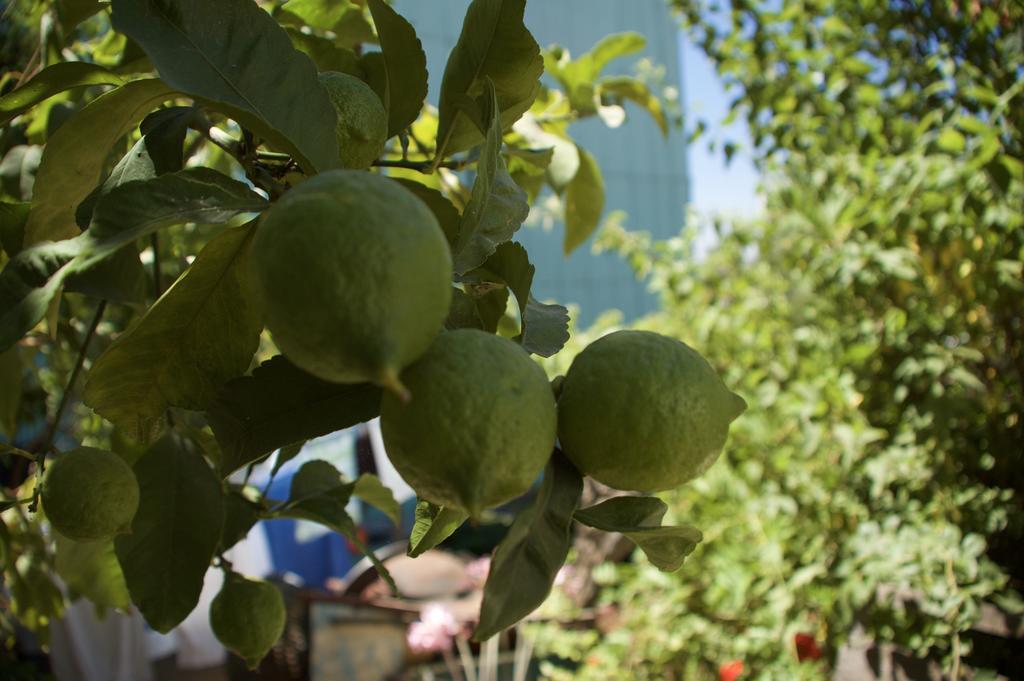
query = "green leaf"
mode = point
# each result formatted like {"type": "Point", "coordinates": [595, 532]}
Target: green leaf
{"type": "Point", "coordinates": [235, 56]}
{"type": "Point", "coordinates": [463, 313]}
{"type": "Point", "coordinates": [120, 277]}
{"type": "Point", "coordinates": [406, 66]}
{"type": "Point", "coordinates": [201, 333]}
{"type": "Point", "coordinates": [175, 531]}
{"type": "Point", "coordinates": [10, 390]}
{"type": "Point", "coordinates": [13, 217]}
{"type": "Point", "coordinates": [637, 92]}
{"type": "Point", "coordinates": [545, 328]}
{"type": "Point", "coordinates": [30, 280]}
{"type": "Point", "coordinates": [497, 206]}
{"type": "Point", "coordinates": [158, 151]}
{"type": "Point", "coordinates": [579, 75]}
{"type": "Point", "coordinates": [286, 454]}
{"type": "Point", "coordinates": [326, 54]}
{"type": "Point", "coordinates": [74, 12]}
{"type": "Point", "coordinates": [319, 493]}
{"type": "Point", "coordinates": [74, 156]}
{"type": "Point", "coordinates": [279, 404]}
{"type": "Point", "coordinates": [433, 524]}
{"type": "Point", "coordinates": [322, 14]}
{"type": "Point", "coordinates": [496, 45]}
{"type": "Point", "coordinates": [91, 569]}
{"type": "Point", "coordinates": [370, 489]}
{"type": "Point", "coordinates": [527, 560]}
{"type": "Point", "coordinates": [53, 80]}
{"type": "Point", "coordinates": [447, 214]}
{"type": "Point", "coordinates": [584, 202]}
{"type": "Point", "coordinates": [951, 141]}
{"type": "Point", "coordinates": [240, 515]}
{"type": "Point", "coordinates": [638, 519]}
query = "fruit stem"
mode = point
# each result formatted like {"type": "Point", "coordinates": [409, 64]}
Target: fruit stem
{"type": "Point", "coordinates": [389, 381]}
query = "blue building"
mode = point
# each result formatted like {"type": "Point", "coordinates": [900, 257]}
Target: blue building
{"type": "Point", "coordinates": [645, 174]}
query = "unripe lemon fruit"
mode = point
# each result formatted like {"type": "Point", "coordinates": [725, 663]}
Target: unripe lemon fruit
{"type": "Point", "coordinates": [480, 426]}
{"type": "Point", "coordinates": [641, 411]}
{"type": "Point", "coordinates": [248, 617]}
{"type": "Point", "coordinates": [90, 494]}
{"type": "Point", "coordinates": [362, 127]}
{"type": "Point", "coordinates": [354, 274]}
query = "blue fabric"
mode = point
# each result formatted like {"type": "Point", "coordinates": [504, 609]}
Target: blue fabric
{"type": "Point", "coordinates": [314, 561]}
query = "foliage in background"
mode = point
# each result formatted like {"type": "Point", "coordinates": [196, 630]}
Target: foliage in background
{"type": "Point", "coordinates": [872, 315]}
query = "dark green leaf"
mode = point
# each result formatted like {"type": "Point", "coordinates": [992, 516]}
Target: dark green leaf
{"type": "Point", "coordinates": [319, 493]}
{"type": "Point", "coordinates": [638, 519]}
{"type": "Point", "coordinates": [74, 12]}
{"type": "Point", "coordinates": [497, 206]}
{"type": "Point", "coordinates": [370, 489]}
{"type": "Point", "coordinates": [74, 157]}
{"type": "Point", "coordinates": [10, 390]}
{"type": "Point", "coordinates": [50, 81]}
{"type": "Point", "coordinates": [232, 54]}
{"type": "Point", "coordinates": [447, 214]}
{"type": "Point", "coordinates": [463, 313]}
{"type": "Point", "coordinates": [286, 454]}
{"type": "Point", "coordinates": [158, 151]}
{"type": "Point", "coordinates": [490, 305]}
{"type": "Point", "coordinates": [433, 524]}
{"type": "Point", "coordinates": [280, 404]}
{"type": "Point", "coordinates": [584, 202]}
{"type": "Point", "coordinates": [634, 90]}
{"type": "Point", "coordinates": [406, 66]}
{"type": "Point", "coordinates": [496, 45]}
{"type": "Point", "coordinates": [13, 217]}
{"type": "Point", "coordinates": [612, 515]}
{"type": "Point", "coordinates": [201, 333]}
{"type": "Point", "coordinates": [240, 515]}
{"type": "Point", "coordinates": [527, 560]}
{"type": "Point", "coordinates": [120, 278]}
{"type": "Point", "coordinates": [91, 569]}
{"type": "Point", "coordinates": [30, 281]}
{"type": "Point", "coordinates": [374, 72]}
{"type": "Point", "coordinates": [546, 328]}
{"type": "Point", "coordinates": [174, 534]}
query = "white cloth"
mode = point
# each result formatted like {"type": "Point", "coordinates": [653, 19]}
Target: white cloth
{"type": "Point", "coordinates": [84, 647]}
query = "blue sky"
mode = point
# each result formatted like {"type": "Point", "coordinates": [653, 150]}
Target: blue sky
{"type": "Point", "coordinates": [715, 188]}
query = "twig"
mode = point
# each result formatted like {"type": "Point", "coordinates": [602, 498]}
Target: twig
{"type": "Point", "coordinates": [425, 167]}
{"type": "Point", "coordinates": [51, 433]}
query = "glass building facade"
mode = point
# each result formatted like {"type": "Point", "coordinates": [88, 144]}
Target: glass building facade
{"type": "Point", "coordinates": [645, 174]}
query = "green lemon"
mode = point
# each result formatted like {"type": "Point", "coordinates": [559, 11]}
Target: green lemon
{"type": "Point", "coordinates": [248, 617]}
{"type": "Point", "coordinates": [362, 121]}
{"type": "Point", "coordinates": [90, 494]}
{"type": "Point", "coordinates": [640, 411]}
{"type": "Point", "coordinates": [480, 426]}
{"type": "Point", "coordinates": [354, 274]}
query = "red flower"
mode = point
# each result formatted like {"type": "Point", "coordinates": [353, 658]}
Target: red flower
{"type": "Point", "coordinates": [806, 647]}
{"type": "Point", "coordinates": [730, 671]}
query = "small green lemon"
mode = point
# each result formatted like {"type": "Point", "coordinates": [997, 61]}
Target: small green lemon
{"type": "Point", "coordinates": [640, 411]}
{"type": "Point", "coordinates": [90, 494]}
{"type": "Point", "coordinates": [362, 121]}
{"type": "Point", "coordinates": [248, 617]}
{"type": "Point", "coordinates": [354, 274]}
{"type": "Point", "coordinates": [480, 426]}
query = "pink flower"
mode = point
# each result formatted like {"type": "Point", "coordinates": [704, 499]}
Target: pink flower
{"type": "Point", "coordinates": [477, 571]}
{"type": "Point", "coordinates": [730, 671]}
{"type": "Point", "coordinates": [434, 632]}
